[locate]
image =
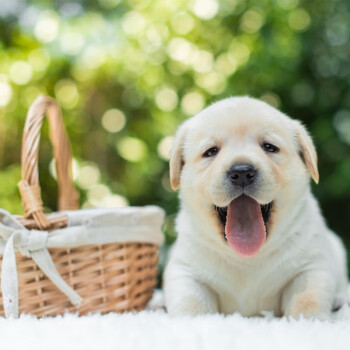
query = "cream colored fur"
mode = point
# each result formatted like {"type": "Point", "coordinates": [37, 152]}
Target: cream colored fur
{"type": "Point", "coordinates": [301, 267]}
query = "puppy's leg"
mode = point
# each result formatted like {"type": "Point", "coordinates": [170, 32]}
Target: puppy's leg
{"type": "Point", "coordinates": [186, 296]}
{"type": "Point", "coordinates": [310, 294]}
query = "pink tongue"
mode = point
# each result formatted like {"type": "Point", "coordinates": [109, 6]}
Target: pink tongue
{"type": "Point", "coordinates": [245, 229]}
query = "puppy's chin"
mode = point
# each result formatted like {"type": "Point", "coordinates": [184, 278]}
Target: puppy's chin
{"type": "Point", "coordinates": [244, 224]}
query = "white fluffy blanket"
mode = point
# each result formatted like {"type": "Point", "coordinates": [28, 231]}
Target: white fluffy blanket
{"type": "Point", "coordinates": [157, 330]}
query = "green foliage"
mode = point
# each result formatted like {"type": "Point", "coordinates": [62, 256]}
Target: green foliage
{"type": "Point", "coordinates": [127, 73]}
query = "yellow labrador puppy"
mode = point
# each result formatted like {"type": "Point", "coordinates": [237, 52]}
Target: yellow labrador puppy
{"type": "Point", "coordinates": [251, 237]}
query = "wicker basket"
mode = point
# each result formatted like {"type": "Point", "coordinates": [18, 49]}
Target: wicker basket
{"type": "Point", "coordinates": [113, 277]}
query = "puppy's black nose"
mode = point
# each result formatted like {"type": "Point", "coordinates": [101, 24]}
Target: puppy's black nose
{"type": "Point", "coordinates": [242, 174]}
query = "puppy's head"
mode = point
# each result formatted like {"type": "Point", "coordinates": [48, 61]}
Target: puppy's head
{"type": "Point", "coordinates": [241, 166]}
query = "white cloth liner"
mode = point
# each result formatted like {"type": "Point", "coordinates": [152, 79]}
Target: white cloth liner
{"type": "Point", "coordinates": [87, 226]}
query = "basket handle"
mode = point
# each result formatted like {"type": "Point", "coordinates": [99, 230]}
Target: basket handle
{"type": "Point", "coordinates": [29, 186]}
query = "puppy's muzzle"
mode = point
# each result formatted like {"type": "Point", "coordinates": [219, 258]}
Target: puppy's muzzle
{"type": "Point", "coordinates": [242, 174]}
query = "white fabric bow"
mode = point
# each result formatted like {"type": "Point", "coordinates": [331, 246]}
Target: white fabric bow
{"type": "Point", "coordinates": [91, 226]}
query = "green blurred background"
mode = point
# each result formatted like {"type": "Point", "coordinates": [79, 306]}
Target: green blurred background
{"type": "Point", "coordinates": [127, 72]}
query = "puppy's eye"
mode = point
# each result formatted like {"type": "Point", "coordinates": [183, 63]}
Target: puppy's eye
{"type": "Point", "coordinates": [211, 152]}
{"type": "Point", "coordinates": [268, 147]}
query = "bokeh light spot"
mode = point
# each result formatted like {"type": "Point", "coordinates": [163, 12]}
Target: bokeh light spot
{"type": "Point", "coordinates": [205, 9]}
{"type": "Point", "coordinates": [252, 21]}
{"type": "Point", "coordinates": [132, 149]}
{"type": "Point", "coordinates": [39, 59]}
{"type": "Point", "coordinates": [192, 103]}
{"type": "Point", "coordinates": [108, 4]}
{"type": "Point", "coordinates": [226, 64]}
{"type": "Point", "coordinates": [164, 147]}
{"type": "Point", "coordinates": [46, 29]}
{"type": "Point", "coordinates": [139, 4]}
{"type": "Point", "coordinates": [213, 82]}
{"type": "Point", "coordinates": [89, 175]}
{"type": "Point", "coordinates": [166, 99]}
{"type": "Point", "coordinates": [153, 42]}
{"type": "Point", "coordinates": [180, 49]}
{"type": "Point", "coordinates": [71, 9]}
{"type": "Point", "coordinates": [202, 61]}
{"type": "Point", "coordinates": [67, 94]}
{"type": "Point", "coordinates": [133, 23]}
{"type": "Point", "coordinates": [114, 200]}
{"type": "Point", "coordinates": [21, 72]}
{"type": "Point", "coordinates": [71, 42]}
{"type": "Point", "coordinates": [82, 73]}
{"type": "Point", "coordinates": [113, 120]}
{"type": "Point", "coordinates": [287, 4]}
{"type": "Point", "coordinates": [299, 20]}
{"type": "Point", "coordinates": [182, 23]}
{"type": "Point", "coordinates": [337, 31]}
{"type": "Point", "coordinates": [272, 99]}
{"type": "Point", "coordinates": [97, 193]}
{"type": "Point", "coordinates": [239, 53]}
{"type": "Point", "coordinates": [93, 57]}
{"type": "Point", "coordinates": [100, 196]}
{"type": "Point", "coordinates": [5, 93]}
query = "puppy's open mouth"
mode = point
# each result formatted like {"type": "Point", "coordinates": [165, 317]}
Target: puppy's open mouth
{"type": "Point", "coordinates": [245, 222]}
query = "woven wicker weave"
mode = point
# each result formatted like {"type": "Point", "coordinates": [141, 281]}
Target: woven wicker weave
{"type": "Point", "coordinates": [110, 277]}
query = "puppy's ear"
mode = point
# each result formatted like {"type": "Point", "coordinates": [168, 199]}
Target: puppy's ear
{"type": "Point", "coordinates": [307, 151]}
{"type": "Point", "coordinates": [176, 157]}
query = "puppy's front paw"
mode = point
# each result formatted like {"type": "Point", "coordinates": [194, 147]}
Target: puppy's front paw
{"type": "Point", "coordinates": [186, 296]}
{"type": "Point", "coordinates": [306, 304]}
{"type": "Point", "coordinates": [310, 295]}
{"type": "Point", "coordinates": [191, 306]}
{"type": "Point", "coordinates": [309, 304]}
